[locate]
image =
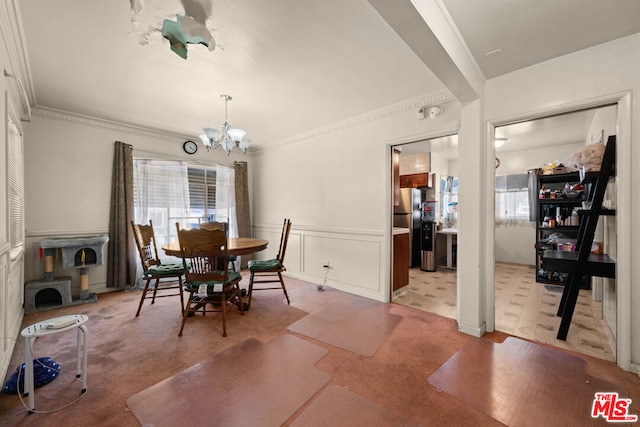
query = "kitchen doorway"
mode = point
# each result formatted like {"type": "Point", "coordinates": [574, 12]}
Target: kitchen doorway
{"type": "Point", "coordinates": [431, 282]}
{"type": "Point", "coordinates": [526, 295]}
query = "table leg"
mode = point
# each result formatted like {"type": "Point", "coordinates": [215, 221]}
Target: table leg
{"type": "Point", "coordinates": [28, 376]}
{"type": "Point", "coordinates": [83, 372]}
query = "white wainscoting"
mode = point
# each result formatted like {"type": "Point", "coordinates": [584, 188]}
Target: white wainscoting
{"type": "Point", "coordinates": [354, 256]}
{"type": "Point", "coordinates": [11, 297]}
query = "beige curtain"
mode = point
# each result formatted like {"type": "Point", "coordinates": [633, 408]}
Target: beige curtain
{"type": "Point", "coordinates": [121, 260]}
{"type": "Point", "coordinates": [243, 214]}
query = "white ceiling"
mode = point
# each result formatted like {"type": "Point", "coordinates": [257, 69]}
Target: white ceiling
{"type": "Point", "coordinates": [291, 65]}
{"type": "Point", "coordinates": [532, 31]}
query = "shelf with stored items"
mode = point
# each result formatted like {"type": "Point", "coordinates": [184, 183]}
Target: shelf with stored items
{"type": "Point", "coordinates": [557, 222]}
{"type": "Point", "coordinates": [583, 261]}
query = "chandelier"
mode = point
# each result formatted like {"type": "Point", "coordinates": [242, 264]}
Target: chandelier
{"type": "Point", "coordinates": [226, 137]}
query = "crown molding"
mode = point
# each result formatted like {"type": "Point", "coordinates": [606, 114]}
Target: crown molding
{"type": "Point", "coordinates": [411, 105]}
{"type": "Point", "coordinates": [435, 98]}
{"type": "Point", "coordinates": [53, 113]}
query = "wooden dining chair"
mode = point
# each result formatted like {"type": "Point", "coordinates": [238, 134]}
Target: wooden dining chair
{"type": "Point", "coordinates": [270, 271]}
{"type": "Point", "coordinates": [213, 225]}
{"type": "Point", "coordinates": [167, 277]}
{"type": "Point", "coordinates": [211, 286]}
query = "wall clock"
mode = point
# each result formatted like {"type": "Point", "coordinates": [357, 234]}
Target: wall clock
{"type": "Point", "coordinates": [190, 147]}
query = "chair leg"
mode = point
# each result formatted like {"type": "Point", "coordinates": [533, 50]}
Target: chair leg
{"type": "Point", "coordinates": [284, 288]}
{"type": "Point", "coordinates": [155, 290]}
{"type": "Point", "coordinates": [239, 296]}
{"type": "Point", "coordinates": [144, 294]}
{"type": "Point", "coordinates": [224, 312]}
{"type": "Point", "coordinates": [185, 313]}
{"type": "Point", "coordinates": [250, 288]}
{"type": "Point", "coordinates": [181, 295]}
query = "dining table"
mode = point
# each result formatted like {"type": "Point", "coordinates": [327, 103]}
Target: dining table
{"type": "Point", "coordinates": [236, 246]}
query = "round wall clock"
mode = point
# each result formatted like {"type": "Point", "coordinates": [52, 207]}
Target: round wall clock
{"type": "Point", "coordinates": [190, 147]}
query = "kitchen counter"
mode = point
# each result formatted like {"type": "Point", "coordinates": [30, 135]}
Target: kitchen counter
{"type": "Point", "coordinates": [452, 240]}
{"type": "Point", "coordinates": [400, 230]}
{"type": "Point", "coordinates": [448, 231]}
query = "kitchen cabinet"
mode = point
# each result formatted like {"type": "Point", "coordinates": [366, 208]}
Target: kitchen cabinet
{"type": "Point", "coordinates": [400, 258]}
{"type": "Point", "coordinates": [418, 180]}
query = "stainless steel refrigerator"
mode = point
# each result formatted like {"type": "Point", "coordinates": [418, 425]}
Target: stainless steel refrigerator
{"type": "Point", "coordinates": [407, 215]}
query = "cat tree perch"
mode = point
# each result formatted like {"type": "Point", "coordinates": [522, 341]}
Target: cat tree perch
{"type": "Point", "coordinates": [80, 252]}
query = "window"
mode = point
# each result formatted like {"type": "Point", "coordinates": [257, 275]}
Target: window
{"type": "Point", "coordinates": [16, 187]}
{"type": "Point", "coordinates": [202, 195]}
{"type": "Point", "coordinates": [170, 191]}
{"type": "Point", "coordinates": [161, 194]}
{"type": "Point", "coordinates": [512, 198]}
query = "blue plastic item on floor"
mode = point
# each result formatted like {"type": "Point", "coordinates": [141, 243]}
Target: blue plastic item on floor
{"type": "Point", "coordinates": [45, 370]}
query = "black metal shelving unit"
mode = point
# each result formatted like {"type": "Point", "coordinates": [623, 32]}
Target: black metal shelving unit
{"type": "Point", "coordinates": [553, 182]}
{"type": "Point", "coordinates": [582, 263]}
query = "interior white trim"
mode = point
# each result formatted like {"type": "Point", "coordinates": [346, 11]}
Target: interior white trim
{"type": "Point", "coordinates": [475, 332]}
{"type": "Point", "coordinates": [439, 97]}
{"type": "Point", "coordinates": [64, 233]}
{"type": "Point", "coordinates": [490, 230]}
{"type": "Point", "coordinates": [324, 230]}
{"type": "Point", "coordinates": [623, 208]}
{"type": "Point", "coordinates": [107, 124]}
{"type": "Point", "coordinates": [14, 40]}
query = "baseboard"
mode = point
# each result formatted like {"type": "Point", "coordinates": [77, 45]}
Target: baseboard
{"type": "Point", "coordinates": [472, 330]}
{"type": "Point", "coordinates": [5, 359]}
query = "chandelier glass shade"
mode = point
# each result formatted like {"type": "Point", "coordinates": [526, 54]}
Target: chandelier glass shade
{"type": "Point", "coordinates": [225, 136]}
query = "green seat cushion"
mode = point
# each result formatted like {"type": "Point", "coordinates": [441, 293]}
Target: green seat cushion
{"type": "Point", "coordinates": [264, 265]}
{"type": "Point", "coordinates": [194, 285]}
{"type": "Point", "coordinates": [165, 270]}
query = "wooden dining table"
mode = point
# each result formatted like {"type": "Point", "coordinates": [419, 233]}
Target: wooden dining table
{"type": "Point", "coordinates": [237, 246]}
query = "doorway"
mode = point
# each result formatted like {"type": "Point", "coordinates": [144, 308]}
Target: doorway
{"type": "Point", "coordinates": [526, 295]}
{"type": "Point", "coordinates": [431, 288]}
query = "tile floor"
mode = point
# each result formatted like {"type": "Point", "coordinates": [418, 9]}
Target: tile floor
{"type": "Point", "coordinates": [524, 308]}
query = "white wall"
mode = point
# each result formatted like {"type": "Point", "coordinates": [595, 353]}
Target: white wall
{"type": "Point", "coordinates": [68, 166]}
{"type": "Point", "coordinates": [591, 77]}
{"type": "Point", "coordinates": [335, 185]}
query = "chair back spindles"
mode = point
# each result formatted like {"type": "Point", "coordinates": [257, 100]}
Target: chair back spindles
{"type": "Point", "coordinates": [284, 238]}
{"type": "Point", "coordinates": [153, 269]}
{"type": "Point", "coordinates": [205, 258]}
{"type": "Point", "coordinates": [270, 271]}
